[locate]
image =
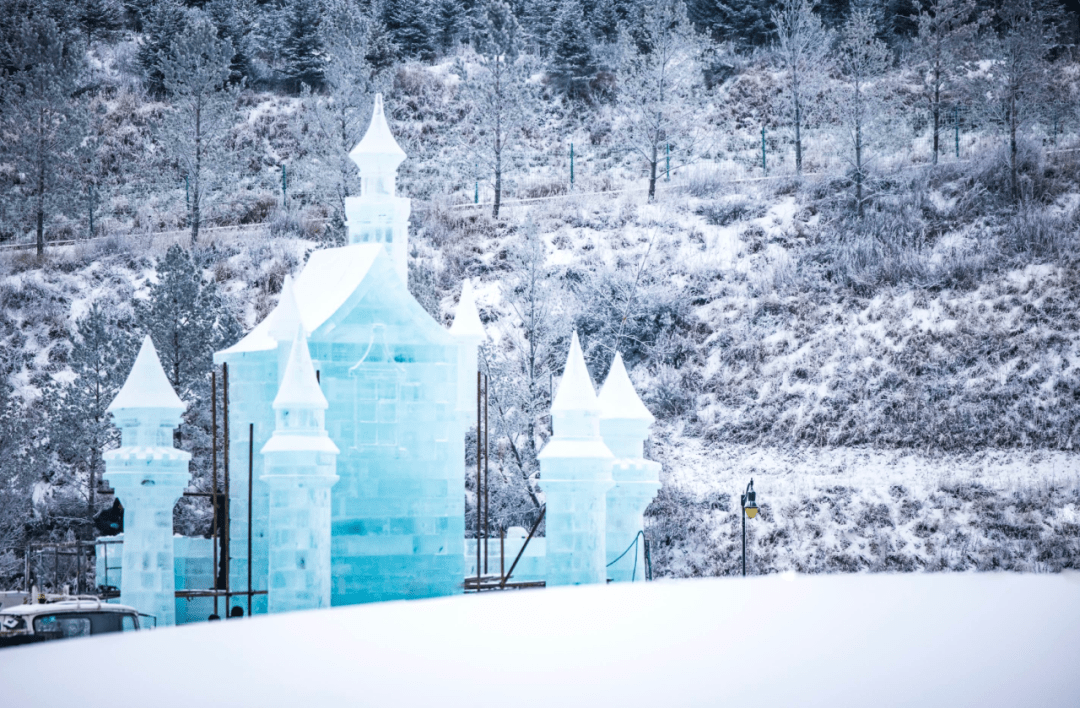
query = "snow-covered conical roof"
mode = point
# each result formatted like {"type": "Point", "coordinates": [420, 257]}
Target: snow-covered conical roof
{"type": "Point", "coordinates": [286, 316]}
{"type": "Point", "coordinates": [146, 385]}
{"type": "Point", "coordinates": [378, 142]}
{"type": "Point", "coordinates": [576, 392]}
{"type": "Point", "coordinates": [618, 399]}
{"type": "Point", "coordinates": [299, 386]}
{"type": "Point", "coordinates": [467, 324]}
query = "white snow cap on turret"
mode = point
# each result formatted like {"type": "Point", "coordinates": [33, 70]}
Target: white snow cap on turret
{"type": "Point", "coordinates": [377, 151]}
{"type": "Point", "coordinates": [618, 399]}
{"type": "Point", "coordinates": [576, 392]}
{"type": "Point", "coordinates": [286, 316]}
{"type": "Point", "coordinates": [299, 387]}
{"type": "Point", "coordinates": [146, 385]}
{"type": "Point", "coordinates": [467, 324]}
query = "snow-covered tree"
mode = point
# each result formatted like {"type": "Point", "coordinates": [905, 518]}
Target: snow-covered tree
{"type": "Point", "coordinates": [803, 49]}
{"type": "Point", "coordinates": [658, 89]}
{"type": "Point", "coordinates": [1015, 85]}
{"type": "Point", "coordinates": [947, 30]}
{"type": "Point", "coordinates": [409, 22]}
{"type": "Point", "coordinates": [571, 67]}
{"type": "Point", "coordinates": [302, 48]}
{"type": "Point", "coordinates": [537, 21]}
{"type": "Point", "coordinates": [97, 18]}
{"type": "Point", "coordinates": [161, 24]}
{"type": "Point", "coordinates": [40, 118]}
{"type": "Point", "coordinates": [101, 355]}
{"type": "Point", "coordinates": [499, 95]}
{"type": "Point", "coordinates": [235, 20]}
{"type": "Point", "coordinates": [195, 74]}
{"type": "Point", "coordinates": [862, 59]}
{"type": "Point", "coordinates": [746, 23]}
{"type": "Point", "coordinates": [334, 121]}
{"type": "Point", "coordinates": [522, 370]}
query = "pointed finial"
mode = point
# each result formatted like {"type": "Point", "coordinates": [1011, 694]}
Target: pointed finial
{"type": "Point", "coordinates": [618, 399]}
{"type": "Point", "coordinates": [146, 385]}
{"type": "Point", "coordinates": [299, 386]}
{"type": "Point", "coordinates": [576, 392]}
{"type": "Point", "coordinates": [467, 324]}
{"type": "Point", "coordinates": [286, 315]}
{"type": "Point", "coordinates": [378, 141]}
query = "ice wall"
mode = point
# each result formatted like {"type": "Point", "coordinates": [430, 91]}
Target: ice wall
{"type": "Point", "coordinates": [148, 475]}
{"type": "Point", "coordinates": [624, 426]}
{"type": "Point", "coordinates": [575, 474]}
{"type": "Point", "coordinates": [299, 470]}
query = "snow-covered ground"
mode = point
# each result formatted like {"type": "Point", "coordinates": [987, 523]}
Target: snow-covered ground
{"type": "Point", "coordinates": [884, 640]}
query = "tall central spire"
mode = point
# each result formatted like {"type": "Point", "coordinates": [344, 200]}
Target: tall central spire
{"type": "Point", "coordinates": [378, 215]}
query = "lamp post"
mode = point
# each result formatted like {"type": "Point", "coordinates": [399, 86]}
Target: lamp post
{"type": "Point", "coordinates": [750, 509]}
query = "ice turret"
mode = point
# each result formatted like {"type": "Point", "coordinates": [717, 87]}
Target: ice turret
{"type": "Point", "coordinates": [299, 469]}
{"type": "Point", "coordinates": [378, 215]}
{"type": "Point", "coordinates": [284, 320]}
{"type": "Point", "coordinates": [468, 330]}
{"type": "Point", "coordinates": [149, 475]}
{"type": "Point", "coordinates": [575, 474]}
{"type": "Point", "coordinates": [624, 426]}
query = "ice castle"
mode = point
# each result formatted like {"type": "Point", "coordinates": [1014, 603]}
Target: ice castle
{"type": "Point", "coordinates": [350, 403]}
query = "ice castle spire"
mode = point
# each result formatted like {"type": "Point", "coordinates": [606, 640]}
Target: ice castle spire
{"type": "Point", "coordinates": [575, 473]}
{"type": "Point", "coordinates": [149, 475]}
{"type": "Point", "coordinates": [299, 468]}
{"type": "Point", "coordinates": [378, 215]}
{"type": "Point", "coordinates": [624, 425]}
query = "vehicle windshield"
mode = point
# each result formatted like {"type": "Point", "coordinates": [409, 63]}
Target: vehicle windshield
{"type": "Point", "coordinates": [82, 624]}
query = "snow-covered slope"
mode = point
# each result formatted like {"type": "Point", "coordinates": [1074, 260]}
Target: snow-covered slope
{"type": "Point", "coordinates": [982, 640]}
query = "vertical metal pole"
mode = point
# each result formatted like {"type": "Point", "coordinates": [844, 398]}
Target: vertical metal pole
{"type": "Point", "coordinates": [284, 188]}
{"type": "Point", "coordinates": [26, 571]}
{"type": "Point", "coordinates": [251, 476]}
{"type": "Point", "coordinates": [226, 530]}
{"type": "Point", "coordinates": [487, 479]}
{"type": "Point", "coordinates": [743, 541]}
{"type": "Point", "coordinates": [571, 165]}
{"type": "Point", "coordinates": [215, 533]}
{"type": "Point", "coordinates": [667, 165]}
{"type": "Point", "coordinates": [90, 200]}
{"type": "Point", "coordinates": [502, 552]}
{"type": "Point", "coordinates": [478, 498]}
{"type": "Point", "coordinates": [78, 567]}
{"type": "Point", "coordinates": [56, 568]}
{"type": "Point", "coordinates": [476, 194]}
{"type": "Point", "coordinates": [187, 192]}
{"type": "Point", "coordinates": [764, 168]}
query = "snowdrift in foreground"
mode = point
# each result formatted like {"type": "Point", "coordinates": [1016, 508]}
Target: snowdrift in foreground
{"type": "Point", "coordinates": [858, 640]}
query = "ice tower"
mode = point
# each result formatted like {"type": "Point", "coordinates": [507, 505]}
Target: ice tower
{"type": "Point", "coordinates": [299, 470]}
{"type": "Point", "coordinates": [390, 375]}
{"type": "Point", "coordinates": [378, 215]}
{"type": "Point", "coordinates": [624, 425]}
{"type": "Point", "coordinates": [575, 474]}
{"type": "Point", "coordinates": [148, 475]}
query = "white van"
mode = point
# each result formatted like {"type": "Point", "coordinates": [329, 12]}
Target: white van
{"type": "Point", "coordinates": [66, 618]}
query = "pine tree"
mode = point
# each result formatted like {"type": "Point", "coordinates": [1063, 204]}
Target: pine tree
{"type": "Point", "coordinates": [604, 21]}
{"type": "Point", "coordinates": [302, 48]}
{"type": "Point", "coordinates": [450, 23]}
{"type": "Point", "coordinates": [381, 53]}
{"type": "Point", "coordinates": [538, 19]}
{"type": "Point", "coordinates": [98, 18]}
{"type": "Point", "coordinates": [195, 74]}
{"type": "Point", "coordinates": [409, 22]}
{"type": "Point", "coordinates": [571, 67]}
{"type": "Point", "coordinates": [235, 22]}
{"type": "Point", "coordinates": [40, 117]}
{"type": "Point", "coordinates": [160, 31]}
{"type": "Point", "coordinates": [102, 353]}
